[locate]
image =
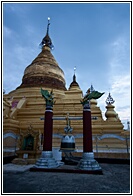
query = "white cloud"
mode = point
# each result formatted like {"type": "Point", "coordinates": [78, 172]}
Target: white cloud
{"type": "Point", "coordinates": [15, 65]}
{"type": "Point", "coordinates": [120, 90]}
{"type": "Point", "coordinates": [19, 9]}
{"type": "Point", "coordinates": [7, 31]}
{"type": "Point", "coordinates": [9, 37]}
{"type": "Point", "coordinates": [120, 56]}
{"type": "Point", "coordinates": [121, 84]}
{"type": "Point", "coordinates": [19, 57]}
{"type": "Point", "coordinates": [11, 82]}
{"type": "Point", "coordinates": [119, 77]}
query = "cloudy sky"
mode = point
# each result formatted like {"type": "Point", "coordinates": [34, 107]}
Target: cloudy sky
{"type": "Point", "coordinates": [93, 37]}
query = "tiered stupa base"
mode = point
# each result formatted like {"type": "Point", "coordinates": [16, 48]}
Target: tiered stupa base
{"type": "Point", "coordinates": [88, 162]}
{"type": "Point", "coordinates": [46, 161]}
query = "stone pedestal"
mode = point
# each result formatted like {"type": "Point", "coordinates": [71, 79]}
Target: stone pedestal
{"type": "Point", "coordinates": [46, 161]}
{"type": "Point", "coordinates": [88, 162]}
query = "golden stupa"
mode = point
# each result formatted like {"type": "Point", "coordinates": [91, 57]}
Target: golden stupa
{"type": "Point", "coordinates": [23, 107]}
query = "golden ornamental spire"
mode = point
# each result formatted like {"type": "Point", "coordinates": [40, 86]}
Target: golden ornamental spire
{"type": "Point", "coordinates": [109, 100]}
{"type": "Point", "coordinates": [46, 41]}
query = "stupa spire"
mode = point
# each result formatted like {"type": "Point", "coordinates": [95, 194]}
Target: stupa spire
{"type": "Point", "coordinates": [74, 76]}
{"type": "Point", "coordinates": [74, 83]}
{"type": "Point", "coordinates": [48, 26]}
{"type": "Point", "coordinates": [46, 41]}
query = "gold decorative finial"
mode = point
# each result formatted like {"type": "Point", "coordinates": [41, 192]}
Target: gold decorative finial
{"type": "Point", "coordinates": [48, 21]}
{"type": "Point", "coordinates": [109, 100]}
{"type": "Point", "coordinates": [46, 41]}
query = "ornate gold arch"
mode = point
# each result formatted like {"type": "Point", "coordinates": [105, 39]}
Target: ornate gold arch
{"type": "Point", "coordinates": [26, 133]}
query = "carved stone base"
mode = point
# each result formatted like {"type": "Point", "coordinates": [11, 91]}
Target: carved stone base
{"type": "Point", "coordinates": [88, 162]}
{"type": "Point", "coordinates": [46, 161]}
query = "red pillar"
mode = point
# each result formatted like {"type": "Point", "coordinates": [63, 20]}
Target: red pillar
{"type": "Point", "coordinates": [48, 130]}
{"type": "Point", "coordinates": [87, 131]}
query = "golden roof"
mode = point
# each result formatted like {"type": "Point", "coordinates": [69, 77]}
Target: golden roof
{"type": "Point", "coordinates": [44, 72]}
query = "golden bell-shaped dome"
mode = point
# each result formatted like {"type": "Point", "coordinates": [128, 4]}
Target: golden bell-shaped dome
{"type": "Point", "coordinates": [44, 71]}
{"type": "Point", "coordinates": [110, 113]}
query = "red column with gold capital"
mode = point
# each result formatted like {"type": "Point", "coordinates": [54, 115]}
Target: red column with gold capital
{"type": "Point", "coordinates": [88, 162]}
{"type": "Point", "coordinates": [48, 130]}
{"type": "Point", "coordinates": [47, 160]}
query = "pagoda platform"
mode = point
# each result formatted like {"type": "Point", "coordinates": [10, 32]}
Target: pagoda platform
{"type": "Point", "coordinates": [66, 169]}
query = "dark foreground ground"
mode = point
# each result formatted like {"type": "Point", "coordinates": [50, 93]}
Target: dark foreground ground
{"type": "Point", "coordinates": [115, 179]}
